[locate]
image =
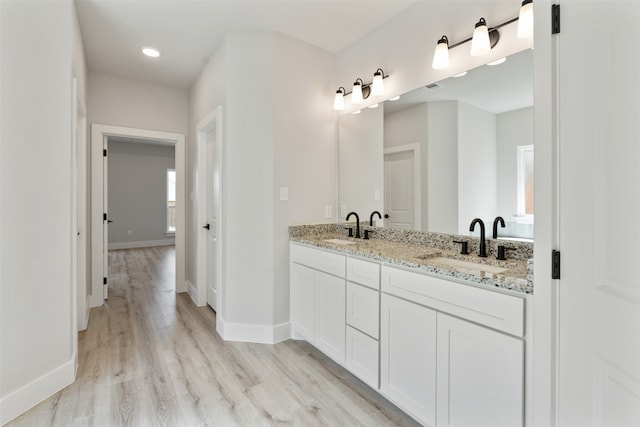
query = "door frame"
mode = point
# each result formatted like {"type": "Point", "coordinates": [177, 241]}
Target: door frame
{"type": "Point", "coordinates": [415, 148]}
{"type": "Point", "coordinates": [98, 134]}
{"type": "Point", "coordinates": [198, 293]}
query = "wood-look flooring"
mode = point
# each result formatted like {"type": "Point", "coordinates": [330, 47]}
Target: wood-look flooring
{"type": "Point", "coordinates": [152, 358]}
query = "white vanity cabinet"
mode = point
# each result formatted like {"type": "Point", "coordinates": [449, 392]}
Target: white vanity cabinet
{"type": "Point", "coordinates": [318, 299]}
{"type": "Point", "coordinates": [433, 362]}
{"type": "Point", "coordinates": [363, 320]}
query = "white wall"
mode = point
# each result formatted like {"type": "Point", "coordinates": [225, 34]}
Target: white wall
{"type": "Point", "coordinates": [442, 167]}
{"type": "Point", "coordinates": [476, 166]}
{"type": "Point", "coordinates": [138, 193]}
{"type": "Point", "coordinates": [36, 326]}
{"type": "Point", "coordinates": [514, 128]}
{"type": "Point", "coordinates": [129, 103]}
{"type": "Point", "coordinates": [361, 163]}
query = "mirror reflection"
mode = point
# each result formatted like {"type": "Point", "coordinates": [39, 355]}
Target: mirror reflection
{"type": "Point", "coordinates": [446, 153]}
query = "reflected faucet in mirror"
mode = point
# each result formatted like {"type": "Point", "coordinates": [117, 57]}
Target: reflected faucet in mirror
{"type": "Point", "coordinates": [371, 217]}
{"type": "Point", "coordinates": [357, 223]}
{"type": "Point", "coordinates": [500, 220]}
{"type": "Point", "coordinates": [482, 250]}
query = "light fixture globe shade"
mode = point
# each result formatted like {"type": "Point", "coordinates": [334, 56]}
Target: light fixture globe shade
{"type": "Point", "coordinates": [480, 44]}
{"type": "Point", "coordinates": [525, 20]}
{"type": "Point", "coordinates": [441, 55]}
{"type": "Point", "coordinates": [338, 101]}
{"type": "Point", "coordinates": [356, 93]}
{"type": "Point", "coordinates": [377, 87]}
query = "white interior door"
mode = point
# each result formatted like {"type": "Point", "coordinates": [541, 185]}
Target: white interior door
{"type": "Point", "coordinates": [399, 191]}
{"type": "Point", "coordinates": [105, 220]}
{"type": "Point", "coordinates": [599, 215]}
{"type": "Point", "coordinates": [213, 200]}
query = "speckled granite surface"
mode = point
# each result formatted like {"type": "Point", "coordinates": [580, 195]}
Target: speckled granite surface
{"type": "Point", "coordinates": [422, 251]}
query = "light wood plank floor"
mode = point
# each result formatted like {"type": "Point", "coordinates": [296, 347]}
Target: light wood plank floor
{"type": "Point", "coordinates": [152, 358]}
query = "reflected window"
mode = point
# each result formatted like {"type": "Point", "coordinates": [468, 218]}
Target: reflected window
{"type": "Point", "coordinates": [525, 180]}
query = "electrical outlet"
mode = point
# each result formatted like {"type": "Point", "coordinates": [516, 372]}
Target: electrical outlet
{"type": "Point", "coordinates": [328, 212]}
{"type": "Point", "coordinates": [343, 211]}
{"type": "Point", "coordinates": [376, 195]}
{"type": "Point", "coordinates": [284, 194]}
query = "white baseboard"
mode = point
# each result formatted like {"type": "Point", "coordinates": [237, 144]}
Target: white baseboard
{"type": "Point", "coordinates": [142, 244]}
{"type": "Point", "coordinates": [193, 292]}
{"type": "Point", "coordinates": [242, 332]}
{"type": "Point", "coordinates": [28, 396]}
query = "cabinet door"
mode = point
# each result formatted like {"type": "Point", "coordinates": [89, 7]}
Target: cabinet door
{"type": "Point", "coordinates": [480, 376]}
{"type": "Point", "coordinates": [303, 313]}
{"type": "Point", "coordinates": [408, 357]}
{"type": "Point", "coordinates": [330, 316]}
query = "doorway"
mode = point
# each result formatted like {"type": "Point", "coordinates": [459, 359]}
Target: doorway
{"type": "Point", "coordinates": [99, 223]}
{"type": "Point", "coordinates": [402, 187]}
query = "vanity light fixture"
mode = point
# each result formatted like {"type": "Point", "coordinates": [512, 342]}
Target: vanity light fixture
{"type": "Point", "coordinates": [356, 93]}
{"type": "Point", "coordinates": [441, 55]}
{"type": "Point", "coordinates": [151, 52]}
{"type": "Point", "coordinates": [480, 44]}
{"type": "Point", "coordinates": [525, 20]}
{"type": "Point", "coordinates": [361, 90]}
{"type": "Point", "coordinates": [377, 86]}
{"type": "Point", "coordinates": [338, 101]}
{"type": "Point", "coordinates": [484, 38]}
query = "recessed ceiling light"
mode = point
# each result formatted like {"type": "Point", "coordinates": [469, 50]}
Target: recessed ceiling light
{"type": "Point", "coordinates": [461, 74]}
{"type": "Point", "coordinates": [395, 98]}
{"type": "Point", "coordinates": [497, 61]}
{"type": "Point", "coordinates": [373, 106]}
{"type": "Point", "coordinates": [151, 52]}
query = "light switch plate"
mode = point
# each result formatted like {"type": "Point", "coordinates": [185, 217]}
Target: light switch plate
{"type": "Point", "coordinates": [343, 211]}
{"type": "Point", "coordinates": [376, 195]}
{"type": "Point", "coordinates": [284, 194]}
{"type": "Point", "coordinates": [328, 212]}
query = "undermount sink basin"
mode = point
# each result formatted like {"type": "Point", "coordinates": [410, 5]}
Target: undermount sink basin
{"type": "Point", "coordinates": [340, 242]}
{"type": "Point", "coordinates": [456, 263]}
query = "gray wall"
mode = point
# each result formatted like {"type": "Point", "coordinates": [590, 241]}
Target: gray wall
{"type": "Point", "coordinates": [137, 192]}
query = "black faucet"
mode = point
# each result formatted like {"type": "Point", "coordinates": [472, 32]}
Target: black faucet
{"type": "Point", "coordinates": [482, 251]}
{"type": "Point", "coordinates": [357, 223]}
{"type": "Point", "coordinates": [371, 217]}
{"type": "Point", "coordinates": [500, 220]}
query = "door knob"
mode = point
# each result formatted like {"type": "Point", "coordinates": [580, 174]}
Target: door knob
{"type": "Point", "coordinates": [109, 221]}
{"type": "Point", "coordinates": [206, 227]}
{"type": "Point", "coordinates": [386, 215]}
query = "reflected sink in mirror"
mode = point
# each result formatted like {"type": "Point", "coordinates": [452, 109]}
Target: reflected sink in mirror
{"type": "Point", "coordinates": [340, 242]}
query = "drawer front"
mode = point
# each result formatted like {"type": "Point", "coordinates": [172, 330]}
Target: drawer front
{"type": "Point", "coordinates": [318, 259]}
{"type": "Point", "coordinates": [363, 272]}
{"type": "Point", "coordinates": [363, 357]}
{"type": "Point", "coordinates": [363, 308]}
{"type": "Point", "coordinates": [496, 310]}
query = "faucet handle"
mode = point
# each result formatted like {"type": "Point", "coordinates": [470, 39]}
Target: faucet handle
{"type": "Point", "coordinates": [464, 248]}
{"type": "Point", "coordinates": [350, 231]}
{"type": "Point", "coordinates": [502, 252]}
{"type": "Point", "coordinates": [366, 234]}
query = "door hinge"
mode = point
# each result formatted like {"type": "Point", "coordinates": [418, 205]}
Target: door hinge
{"type": "Point", "coordinates": [104, 216]}
{"type": "Point", "coordinates": [104, 280]}
{"type": "Point", "coordinates": [555, 18]}
{"type": "Point", "coordinates": [104, 153]}
{"type": "Point", "coordinates": [555, 264]}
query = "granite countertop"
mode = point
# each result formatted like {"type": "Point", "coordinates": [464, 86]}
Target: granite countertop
{"type": "Point", "coordinates": [431, 260]}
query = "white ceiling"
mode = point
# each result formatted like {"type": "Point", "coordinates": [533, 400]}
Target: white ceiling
{"type": "Point", "coordinates": [187, 32]}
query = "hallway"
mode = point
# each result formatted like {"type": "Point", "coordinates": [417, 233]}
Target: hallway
{"type": "Point", "coordinates": [151, 357]}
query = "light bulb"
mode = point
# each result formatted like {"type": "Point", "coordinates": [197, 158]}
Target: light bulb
{"type": "Point", "coordinates": [151, 52]}
{"type": "Point", "coordinates": [480, 44]}
{"type": "Point", "coordinates": [441, 55]}
{"type": "Point", "coordinates": [377, 87]}
{"type": "Point", "coordinates": [356, 93]}
{"type": "Point", "coordinates": [338, 101]}
{"type": "Point", "coordinates": [525, 20]}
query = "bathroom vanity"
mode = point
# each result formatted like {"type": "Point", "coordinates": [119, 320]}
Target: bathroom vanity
{"type": "Point", "coordinates": [441, 335]}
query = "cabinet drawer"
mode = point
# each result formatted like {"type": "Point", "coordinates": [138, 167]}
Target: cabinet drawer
{"type": "Point", "coordinates": [363, 272]}
{"type": "Point", "coordinates": [318, 259]}
{"type": "Point", "coordinates": [496, 310]}
{"type": "Point", "coordinates": [363, 356]}
{"type": "Point", "coordinates": [363, 308]}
